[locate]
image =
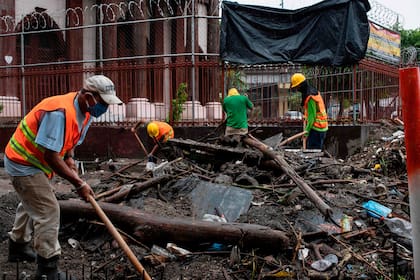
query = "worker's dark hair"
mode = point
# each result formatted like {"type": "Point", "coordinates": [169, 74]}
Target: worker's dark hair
{"type": "Point", "coordinates": [306, 89]}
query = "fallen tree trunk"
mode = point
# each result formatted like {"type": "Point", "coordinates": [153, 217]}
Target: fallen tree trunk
{"type": "Point", "coordinates": [152, 228]}
{"type": "Point", "coordinates": [305, 188]}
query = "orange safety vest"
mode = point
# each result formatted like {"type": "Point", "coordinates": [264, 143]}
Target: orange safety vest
{"type": "Point", "coordinates": [321, 118]}
{"type": "Point", "coordinates": [22, 148]}
{"type": "Point", "coordinates": [166, 131]}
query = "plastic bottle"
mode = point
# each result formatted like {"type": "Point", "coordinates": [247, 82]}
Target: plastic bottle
{"type": "Point", "coordinates": [376, 209]}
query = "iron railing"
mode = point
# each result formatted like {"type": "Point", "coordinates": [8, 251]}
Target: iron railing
{"type": "Point", "coordinates": [149, 51]}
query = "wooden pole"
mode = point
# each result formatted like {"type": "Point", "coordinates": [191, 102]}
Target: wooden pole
{"type": "Point", "coordinates": [134, 130]}
{"type": "Point", "coordinates": [304, 187]}
{"type": "Point", "coordinates": [291, 138]}
{"type": "Point", "coordinates": [133, 259]}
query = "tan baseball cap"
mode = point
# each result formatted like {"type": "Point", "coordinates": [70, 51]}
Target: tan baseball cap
{"type": "Point", "coordinates": [104, 87]}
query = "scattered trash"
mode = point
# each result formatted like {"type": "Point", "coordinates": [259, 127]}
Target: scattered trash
{"type": "Point", "coordinates": [399, 227]}
{"type": "Point", "coordinates": [163, 253]}
{"type": "Point", "coordinates": [253, 203]}
{"type": "Point", "coordinates": [346, 222]}
{"type": "Point", "coordinates": [73, 243]}
{"type": "Point", "coordinates": [235, 256]}
{"type": "Point", "coordinates": [396, 135]}
{"type": "Point", "coordinates": [331, 258]}
{"type": "Point", "coordinates": [282, 274]}
{"type": "Point", "coordinates": [217, 247]}
{"type": "Point", "coordinates": [150, 166]}
{"type": "Point", "coordinates": [213, 218]}
{"type": "Point", "coordinates": [206, 196]}
{"type": "Point", "coordinates": [321, 265]}
{"type": "Point", "coordinates": [205, 187]}
{"type": "Point", "coordinates": [376, 209]}
{"type": "Point", "coordinates": [178, 251]}
{"type": "Point", "coordinates": [303, 253]}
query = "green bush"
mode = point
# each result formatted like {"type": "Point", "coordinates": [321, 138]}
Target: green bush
{"type": "Point", "coordinates": [178, 102]}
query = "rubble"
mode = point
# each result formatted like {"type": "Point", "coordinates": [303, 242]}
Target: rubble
{"type": "Point", "coordinates": [268, 213]}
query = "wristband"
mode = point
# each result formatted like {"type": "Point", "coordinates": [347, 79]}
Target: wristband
{"type": "Point", "coordinates": [84, 184]}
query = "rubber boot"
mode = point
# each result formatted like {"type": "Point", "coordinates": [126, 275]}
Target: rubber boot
{"type": "Point", "coordinates": [20, 252]}
{"type": "Point", "coordinates": [48, 269]}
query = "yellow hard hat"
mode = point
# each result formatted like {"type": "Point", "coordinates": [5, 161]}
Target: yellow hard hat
{"type": "Point", "coordinates": [153, 129]}
{"type": "Point", "coordinates": [233, 91]}
{"type": "Point", "coordinates": [296, 79]}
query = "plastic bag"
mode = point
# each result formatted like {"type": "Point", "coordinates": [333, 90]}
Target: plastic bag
{"type": "Point", "coordinates": [399, 227]}
{"type": "Point", "coordinates": [150, 166]}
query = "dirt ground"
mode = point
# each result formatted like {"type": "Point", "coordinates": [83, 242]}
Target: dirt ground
{"type": "Point", "coordinates": [369, 251]}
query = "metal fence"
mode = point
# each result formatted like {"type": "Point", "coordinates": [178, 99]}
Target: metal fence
{"type": "Point", "coordinates": [151, 50]}
{"type": "Point", "coordinates": [366, 92]}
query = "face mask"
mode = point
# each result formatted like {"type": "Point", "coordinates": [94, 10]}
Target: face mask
{"type": "Point", "coordinates": [98, 109]}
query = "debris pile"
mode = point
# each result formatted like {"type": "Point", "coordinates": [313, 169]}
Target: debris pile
{"type": "Point", "coordinates": [253, 211]}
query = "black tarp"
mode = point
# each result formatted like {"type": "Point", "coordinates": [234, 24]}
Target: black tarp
{"type": "Point", "coordinates": [332, 32]}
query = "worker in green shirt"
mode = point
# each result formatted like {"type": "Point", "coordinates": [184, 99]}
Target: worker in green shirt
{"type": "Point", "coordinates": [314, 110]}
{"type": "Point", "coordinates": [236, 108]}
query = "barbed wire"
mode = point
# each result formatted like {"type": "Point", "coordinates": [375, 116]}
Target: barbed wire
{"type": "Point", "coordinates": [409, 56]}
{"type": "Point", "coordinates": [384, 16]}
{"type": "Point", "coordinates": [142, 9]}
{"type": "Point", "coordinates": [98, 13]}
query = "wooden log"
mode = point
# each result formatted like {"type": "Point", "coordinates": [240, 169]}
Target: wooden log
{"type": "Point", "coordinates": [283, 165]}
{"type": "Point", "coordinates": [152, 228]}
{"type": "Point", "coordinates": [212, 149]}
{"type": "Point", "coordinates": [137, 188]}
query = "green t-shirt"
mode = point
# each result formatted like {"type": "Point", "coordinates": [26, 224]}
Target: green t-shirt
{"type": "Point", "coordinates": [236, 107]}
{"type": "Point", "coordinates": [311, 110]}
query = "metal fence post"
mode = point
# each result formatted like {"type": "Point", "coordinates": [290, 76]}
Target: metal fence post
{"type": "Point", "coordinates": [193, 59]}
{"type": "Point", "coordinates": [354, 85]}
{"type": "Point", "coordinates": [22, 64]}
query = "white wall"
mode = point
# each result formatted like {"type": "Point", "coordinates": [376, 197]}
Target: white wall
{"type": "Point", "coordinates": [89, 34]}
{"type": "Point", "coordinates": [55, 9]}
{"type": "Point", "coordinates": [202, 27]}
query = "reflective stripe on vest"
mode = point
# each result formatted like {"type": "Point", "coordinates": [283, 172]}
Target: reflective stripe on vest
{"type": "Point", "coordinates": [321, 118]}
{"type": "Point", "coordinates": [25, 154]}
{"type": "Point", "coordinates": [22, 147]}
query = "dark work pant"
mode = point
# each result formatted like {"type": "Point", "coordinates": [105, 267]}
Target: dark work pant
{"type": "Point", "coordinates": [315, 139]}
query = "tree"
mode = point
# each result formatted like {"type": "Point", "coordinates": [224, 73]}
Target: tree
{"type": "Point", "coordinates": [410, 38]}
{"type": "Point", "coordinates": [178, 102]}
